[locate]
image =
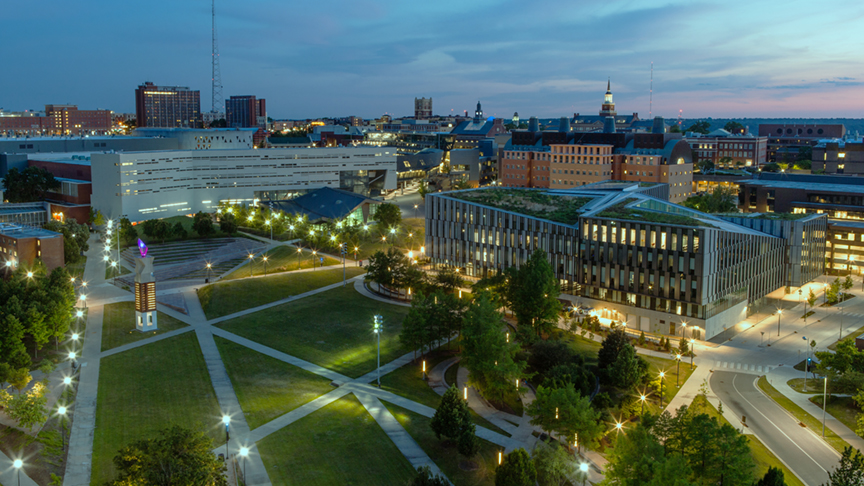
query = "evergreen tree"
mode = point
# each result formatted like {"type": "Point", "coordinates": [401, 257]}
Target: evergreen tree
{"type": "Point", "coordinates": [533, 293]}
{"type": "Point", "coordinates": [203, 224]}
{"type": "Point", "coordinates": [425, 477]}
{"type": "Point", "coordinates": [615, 341]}
{"type": "Point", "coordinates": [628, 370]}
{"type": "Point", "coordinates": [774, 477]}
{"type": "Point", "coordinates": [451, 415]}
{"type": "Point", "coordinates": [516, 469]}
{"type": "Point", "coordinates": [850, 472]}
{"type": "Point", "coordinates": [468, 444]}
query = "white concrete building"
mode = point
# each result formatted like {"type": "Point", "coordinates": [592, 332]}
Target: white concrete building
{"type": "Point", "coordinates": [148, 185]}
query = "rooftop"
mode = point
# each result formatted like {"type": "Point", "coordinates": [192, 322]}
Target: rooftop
{"type": "Point", "coordinates": [554, 206]}
{"type": "Point", "coordinates": [13, 230]}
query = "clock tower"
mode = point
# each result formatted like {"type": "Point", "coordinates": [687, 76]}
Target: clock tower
{"type": "Point", "coordinates": [608, 107]}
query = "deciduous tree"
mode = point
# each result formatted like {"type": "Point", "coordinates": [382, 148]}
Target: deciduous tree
{"type": "Point", "coordinates": [388, 215]}
{"type": "Point", "coordinates": [203, 224]}
{"type": "Point", "coordinates": [566, 412]}
{"type": "Point", "coordinates": [533, 293]}
{"type": "Point", "coordinates": [516, 469]}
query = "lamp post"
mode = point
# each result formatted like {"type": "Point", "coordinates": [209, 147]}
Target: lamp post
{"type": "Point", "coordinates": [415, 210]}
{"type": "Point", "coordinates": [824, 403]}
{"type": "Point", "coordinates": [208, 271]}
{"type": "Point", "coordinates": [692, 344]}
{"type": "Point", "coordinates": [678, 369]}
{"type": "Point", "coordinates": [244, 453]}
{"type": "Point", "coordinates": [662, 375]}
{"type": "Point", "coordinates": [377, 327]}
{"type": "Point", "coordinates": [227, 421]}
{"type": "Point", "coordinates": [779, 311]}
{"type": "Point", "coordinates": [61, 413]}
{"type": "Point", "coordinates": [314, 254]}
{"type": "Point", "coordinates": [806, 360]}
{"type": "Point", "coordinates": [825, 293]}
{"type": "Point", "coordinates": [251, 260]}
{"type": "Point", "coordinates": [583, 468]}
{"type": "Point", "coordinates": [18, 464]}
{"type": "Point", "coordinates": [265, 266]}
{"type": "Point", "coordinates": [642, 399]}
{"type": "Point", "coordinates": [114, 269]}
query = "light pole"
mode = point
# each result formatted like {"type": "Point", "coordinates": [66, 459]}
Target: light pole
{"type": "Point", "coordinates": [642, 399]}
{"type": "Point", "coordinates": [227, 421]}
{"type": "Point", "coordinates": [314, 254]}
{"type": "Point", "coordinates": [244, 453]}
{"type": "Point", "coordinates": [840, 311]}
{"type": "Point", "coordinates": [678, 369]}
{"type": "Point", "coordinates": [806, 360]}
{"type": "Point", "coordinates": [662, 375]}
{"type": "Point", "coordinates": [583, 468]}
{"type": "Point", "coordinates": [114, 269]}
{"type": "Point", "coordinates": [824, 404]}
{"type": "Point", "coordinates": [377, 327]}
{"type": "Point", "coordinates": [61, 413]}
{"type": "Point", "coordinates": [208, 271]}
{"type": "Point", "coordinates": [779, 311]}
{"type": "Point", "coordinates": [18, 464]}
{"type": "Point", "coordinates": [825, 293]}
{"type": "Point", "coordinates": [265, 266]}
{"type": "Point", "coordinates": [692, 351]}
{"type": "Point", "coordinates": [251, 260]}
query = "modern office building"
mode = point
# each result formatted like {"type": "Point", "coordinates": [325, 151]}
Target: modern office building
{"type": "Point", "coordinates": [422, 108]}
{"type": "Point", "coordinates": [21, 244]}
{"type": "Point", "coordinates": [840, 198]}
{"type": "Point", "coordinates": [167, 106]}
{"type": "Point", "coordinates": [147, 185]}
{"type": "Point", "coordinates": [630, 256]}
{"type": "Point", "coordinates": [839, 156]}
{"type": "Point", "coordinates": [56, 120]}
{"type": "Point", "coordinates": [246, 112]}
{"type": "Point", "coordinates": [560, 159]}
{"type": "Point", "coordinates": [726, 150]}
{"type": "Point", "coordinates": [785, 141]}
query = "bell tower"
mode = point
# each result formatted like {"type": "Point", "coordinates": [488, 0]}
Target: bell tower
{"type": "Point", "coordinates": [608, 107]}
{"type": "Point", "coordinates": [478, 114]}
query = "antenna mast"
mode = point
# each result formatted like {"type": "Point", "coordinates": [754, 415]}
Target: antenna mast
{"type": "Point", "coordinates": [651, 93]}
{"type": "Point", "coordinates": [217, 104]}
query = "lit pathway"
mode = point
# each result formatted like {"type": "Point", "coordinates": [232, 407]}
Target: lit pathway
{"type": "Point", "coordinates": [7, 473]}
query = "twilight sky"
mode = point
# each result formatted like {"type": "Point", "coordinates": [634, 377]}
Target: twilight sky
{"type": "Point", "coordinates": [365, 57]}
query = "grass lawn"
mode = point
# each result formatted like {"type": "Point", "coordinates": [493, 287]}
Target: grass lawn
{"type": "Point", "coordinates": [332, 329]}
{"type": "Point", "coordinates": [843, 409]}
{"type": "Point", "coordinates": [339, 444]}
{"type": "Point", "coordinates": [850, 336]}
{"type": "Point", "coordinates": [814, 385]}
{"type": "Point", "coordinates": [109, 272]}
{"type": "Point", "coordinates": [810, 421]}
{"type": "Point", "coordinates": [582, 346]}
{"type": "Point", "coordinates": [265, 386]}
{"type": "Point", "coordinates": [77, 269]}
{"type": "Point", "coordinates": [406, 382]}
{"type": "Point", "coordinates": [669, 366]}
{"type": "Point", "coordinates": [284, 259]}
{"type": "Point", "coordinates": [224, 298]}
{"type": "Point", "coordinates": [118, 325]}
{"type": "Point", "coordinates": [763, 457]}
{"type": "Point", "coordinates": [147, 389]}
{"type": "Point", "coordinates": [443, 452]}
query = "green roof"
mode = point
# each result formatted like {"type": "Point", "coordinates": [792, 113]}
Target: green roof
{"type": "Point", "coordinates": [530, 202]}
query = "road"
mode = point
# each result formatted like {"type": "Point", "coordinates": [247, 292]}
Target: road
{"type": "Point", "coordinates": [800, 449]}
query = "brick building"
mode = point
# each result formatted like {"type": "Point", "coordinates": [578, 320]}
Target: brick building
{"type": "Point", "coordinates": [57, 120]}
{"type": "Point", "coordinates": [23, 244]}
{"type": "Point", "coordinates": [726, 150]}
{"type": "Point", "coordinates": [167, 106]}
{"type": "Point", "coordinates": [786, 140]}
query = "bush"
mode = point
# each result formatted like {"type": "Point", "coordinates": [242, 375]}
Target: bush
{"type": "Point", "coordinates": [576, 373]}
{"type": "Point", "coordinates": [545, 355]}
{"type": "Point", "coordinates": [602, 401]}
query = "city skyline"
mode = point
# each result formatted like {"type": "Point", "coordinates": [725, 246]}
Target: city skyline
{"type": "Point", "coordinates": [375, 57]}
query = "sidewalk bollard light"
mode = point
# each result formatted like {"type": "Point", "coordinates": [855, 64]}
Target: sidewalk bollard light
{"type": "Point", "coordinates": [67, 380]}
{"type": "Point", "coordinates": [227, 421]}
{"type": "Point", "coordinates": [424, 369]}
{"type": "Point", "coordinates": [556, 413]}
{"type": "Point", "coordinates": [61, 412]}
{"type": "Point", "coordinates": [465, 393]}
{"type": "Point", "coordinates": [265, 266]}
{"type": "Point", "coordinates": [74, 336]}
{"type": "Point", "coordinates": [508, 334]}
{"type": "Point", "coordinates": [18, 464]}
{"type": "Point", "coordinates": [500, 457]}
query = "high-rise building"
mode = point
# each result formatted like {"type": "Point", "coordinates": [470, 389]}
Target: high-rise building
{"type": "Point", "coordinates": [246, 112]}
{"type": "Point", "coordinates": [167, 106]}
{"type": "Point", "coordinates": [422, 108]}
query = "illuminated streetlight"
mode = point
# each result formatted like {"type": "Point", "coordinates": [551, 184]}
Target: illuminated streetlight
{"type": "Point", "coordinates": [74, 336]}
{"type": "Point", "coordinates": [227, 421]}
{"type": "Point", "coordinates": [61, 412]}
{"type": "Point", "coordinates": [265, 266]}
{"type": "Point", "coordinates": [377, 327]}
{"type": "Point", "coordinates": [67, 380]}
{"type": "Point", "coordinates": [678, 370]}
{"type": "Point", "coordinates": [244, 453]}
{"type": "Point", "coordinates": [779, 311]}
{"type": "Point", "coordinates": [105, 258]}
{"type": "Point", "coordinates": [29, 274]}
{"type": "Point", "coordinates": [692, 344]}
{"type": "Point", "coordinates": [662, 375]}
{"type": "Point", "coordinates": [18, 464]}
{"type": "Point", "coordinates": [251, 270]}
{"type": "Point", "coordinates": [583, 468]}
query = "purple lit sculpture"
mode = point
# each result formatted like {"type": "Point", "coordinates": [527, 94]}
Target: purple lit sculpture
{"type": "Point", "coordinates": [142, 248]}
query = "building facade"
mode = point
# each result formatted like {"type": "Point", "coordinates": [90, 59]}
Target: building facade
{"type": "Point", "coordinates": [167, 106]}
{"type": "Point", "coordinates": [626, 255]}
{"type": "Point", "coordinates": [60, 120]}
{"type": "Point", "coordinates": [246, 112]}
{"type": "Point", "coordinates": [147, 185]}
{"type": "Point", "coordinates": [785, 141]}
{"type": "Point", "coordinates": [839, 157]}
{"type": "Point", "coordinates": [726, 150]}
{"type": "Point", "coordinates": [422, 108]}
{"type": "Point", "coordinates": [23, 244]}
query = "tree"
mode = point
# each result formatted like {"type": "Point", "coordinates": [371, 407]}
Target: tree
{"type": "Point", "coordinates": [162, 230]}
{"type": "Point", "coordinates": [28, 185]}
{"type": "Point", "coordinates": [388, 215]}
{"type": "Point", "coordinates": [128, 233]}
{"type": "Point", "coordinates": [724, 199]}
{"type": "Point", "coordinates": [811, 298]}
{"type": "Point", "coordinates": [95, 217]}
{"type": "Point", "coordinates": [566, 412]}
{"type": "Point", "coordinates": [228, 224]}
{"type": "Point", "coordinates": [27, 409]}
{"type": "Point", "coordinates": [774, 477]}
{"type": "Point", "coordinates": [705, 166]}
{"type": "Point", "coordinates": [771, 167]}
{"type": "Point", "coordinates": [486, 353]}
{"type": "Point", "coordinates": [449, 279]}
{"type": "Point", "coordinates": [533, 293]}
{"type": "Point", "coordinates": [203, 224]}
{"type": "Point", "coordinates": [699, 127]}
{"type": "Point", "coordinates": [850, 472]}
{"type": "Point", "coordinates": [468, 444]}
{"type": "Point", "coordinates": [179, 231]}
{"type": "Point", "coordinates": [451, 416]}
{"type": "Point", "coordinates": [176, 456]}
{"type": "Point", "coordinates": [425, 477]}
{"type": "Point", "coordinates": [553, 464]}
{"type": "Point", "coordinates": [516, 469]}
{"type": "Point", "coordinates": [611, 346]}
{"type": "Point", "coordinates": [636, 457]}
{"type": "Point", "coordinates": [414, 330]}
{"type": "Point", "coordinates": [423, 189]}
{"type": "Point", "coordinates": [675, 128]}
{"type": "Point", "coordinates": [386, 268]}
{"type": "Point", "coordinates": [725, 162]}
{"type": "Point", "coordinates": [60, 302]}
{"type": "Point", "coordinates": [734, 127]}
{"type": "Point", "coordinates": [628, 370]}
{"type": "Point", "coordinates": [847, 284]}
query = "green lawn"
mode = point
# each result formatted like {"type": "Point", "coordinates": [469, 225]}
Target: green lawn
{"type": "Point", "coordinates": [444, 453]}
{"type": "Point", "coordinates": [77, 269]}
{"type": "Point", "coordinates": [284, 259]}
{"type": "Point", "coordinates": [118, 325]}
{"type": "Point", "coordinates": [265, 386]}
{"type": "Point", "coordinates": [799, 413]}
{"type": "Point", "coordinates": [850, 336]}
{"type": "Point", "coordinates": [109, 272]}
{"type": "Point", "coordinates": [669, 367]}
{"type": "Point", "coordinates": [332, 329]}
{"type": "Point", "coordinates": [582, 346]}
{"type": "Point", "coordinates": [406, 382]}
{"type": "Point", "coordinates": [224, 298]}
{"type": "Point", "coordinates": [843, 409]}
{"type": "Point", "coordinates": [339, 444]}
{"type": "Point", "coordinates": [762, 456]}
{"type": "Point", "coordinates": [814, 385]}
{"type": "Point", "coordinates": [146, 389]}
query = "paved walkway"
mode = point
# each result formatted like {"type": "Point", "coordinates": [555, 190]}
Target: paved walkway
{"type": "Point", "coordinates": [359, 286]}
{"type": "Point", "coordinates": [8, 474]}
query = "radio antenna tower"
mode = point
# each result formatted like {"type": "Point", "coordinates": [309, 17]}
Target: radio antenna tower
{"type": "Point", "coordinates": [217, 104]}
{"type": "Point", "coordinates": [651, 93]}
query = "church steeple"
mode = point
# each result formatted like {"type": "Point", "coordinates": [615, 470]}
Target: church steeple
{"type": "Point", "coordinates": [478, 113]}
{"type": "Point", "coordinates": [608, 107]}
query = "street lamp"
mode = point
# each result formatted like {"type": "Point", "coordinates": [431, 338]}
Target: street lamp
{"type": "Point", "coordinates": [662, 375]}
{"type": "Point", "coordinates": [678, 369]}
{"type": "Point", "coordinates": [314, 254]}
{"type": "Point", "coordinates": [377, 327]}
{"type": "Point", "coordinates": [692, 351]}
{"type": "Point", "coordinates": [265, 266]}
{"type": "Point", "coordinates": [244, 453]}
{"type": "Point", "coordinates": [67, 380]}
{"type": "Point", "coordinates": [251, 270]}
{"type": "Point", "coordinates": [227, 421]}
{"type": "Point", "coordinates": [642, 399]}
{"type": "Point", "coordinates": [583, 468]}
{"type": "Point", "coordinates": [61, 413]}
{"type": "Point", "coordinates": [415, 210]}
{"type": "Point", "coordinates": [114, 270]}
{"type": "Point", "coordinates": [18, 464]}
{"type": "Point", "coordinates": [779, 311]}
